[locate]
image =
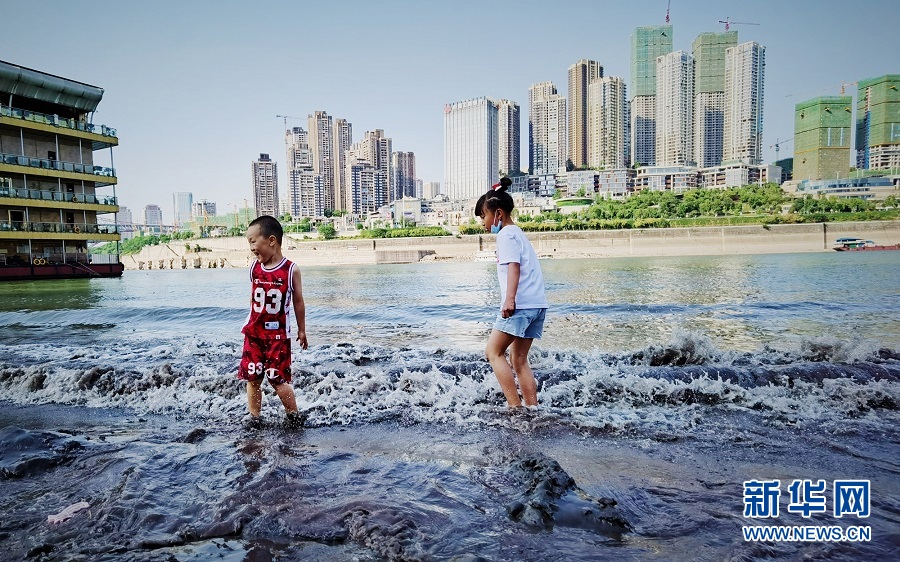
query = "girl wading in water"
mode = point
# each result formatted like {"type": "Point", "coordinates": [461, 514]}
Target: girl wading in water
{"type": "Point", "coordinates": [523, 301]}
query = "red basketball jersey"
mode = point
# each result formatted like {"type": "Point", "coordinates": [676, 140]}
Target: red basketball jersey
{"type": "Point", "coordinates": [271, 294]}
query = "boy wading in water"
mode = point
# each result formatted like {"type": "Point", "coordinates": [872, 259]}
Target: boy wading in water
{"type": "Point", "coordinates": [274, 287]}
{"type": "Point", "coordinates": [523, 302]}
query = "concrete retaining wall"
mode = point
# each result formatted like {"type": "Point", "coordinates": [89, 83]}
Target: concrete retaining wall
{"type": "Point", "coordinates": [777, 238]}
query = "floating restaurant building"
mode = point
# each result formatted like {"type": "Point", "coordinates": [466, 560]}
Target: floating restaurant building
{"type": "Point", "coordinates": [51, 193]}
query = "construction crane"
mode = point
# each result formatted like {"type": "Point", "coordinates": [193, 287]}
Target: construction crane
{"type": "Point", "coordinates": [205, 232]}
{"type": "Point", "coordinates": [777, 145]}
{"type": "Point", "coordinates": [844, 84]}
{"type": "Point", "coordinates": [286, 117]}
{"type": "Point", "coordinates": [807, 92]}
{"type": "Point", "coordinates": [669, 5]}
{"type": "Point", "coordinates": [728, 23]}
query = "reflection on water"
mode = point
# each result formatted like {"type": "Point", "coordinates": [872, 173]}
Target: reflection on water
{"type": "Point", "coordinates": [740, 302]}
{"type": "Point", "coordinates": [52, 295]}
{"type": "Point", "coordinates": [611, 305]}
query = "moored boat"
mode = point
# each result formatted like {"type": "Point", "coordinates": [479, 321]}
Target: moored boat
{"type": "Point", "coordinates": [859, 244]}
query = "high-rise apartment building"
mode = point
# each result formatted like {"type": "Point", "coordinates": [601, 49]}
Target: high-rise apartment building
{"type": "Point", "coordinates": [367, 184]}
{"type": "Point", "coordinates": [368, 171]}
{"type": "Point", "coordinates": [708, 51]}
{"type": "Point", "coordinates": [265, 185]}
{"type": "Point", "coordinates": [608, 138]}
{"type": "Point", "coordinates": [376, 149]}
{"type": "Point", "coordinates": [124, 216]}
{"type": "Point", "coordinates": [581, 74]}
{"type": "Point", "coordinates": [508, 124]}
{"type": "Point", "coordinates": [471, 148]}
{"type": "Point", "coordinates": [647, 44]}
{"type": "Point", "coordinates": [745, 66]}
{"type": "Point", "coordinates": [431, 189]}
{"type": "Point", "coordinates": [203, 208]}
{"type": "Point", "coordinates": [822, 138]}
{"type": "Point", "coordinates": [674, 109]}
{"type": "Point", "coordinates": [305, 197]}
{"type": "Point", "coordinates": [547, 139]}
{"type": "Point", "coordinates": [124, 222]}
{"type": "Point", "coordinates": [296, 143]}
{"type": "Point", "coordinates": [342, 137]}
{"type": "Point", "coordinates": [878, 122]}
{"type": "Point", "coordinates": [321, 143]}
{"type": "Point", "coordinates": [182, 202]}
{"type": "Point", "coordinates": [153, 215]}
{"type": "Point", "coordinates": [404, 167]}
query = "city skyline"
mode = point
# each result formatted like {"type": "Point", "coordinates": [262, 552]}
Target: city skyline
{"type": "Point", "coordinates": [173, 76]}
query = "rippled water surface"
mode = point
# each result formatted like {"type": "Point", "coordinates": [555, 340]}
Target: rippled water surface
{"type": "Point", "coordinates": [665, 384]}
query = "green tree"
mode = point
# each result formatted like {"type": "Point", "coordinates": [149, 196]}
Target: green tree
{"type": "Point", "coordinates": [327, 231]}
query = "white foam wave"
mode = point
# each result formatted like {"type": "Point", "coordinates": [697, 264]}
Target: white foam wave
{"type": "Point", "coordinates": [355, 383]}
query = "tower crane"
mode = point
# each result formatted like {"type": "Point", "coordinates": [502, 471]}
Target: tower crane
{"type": "Point", "coordinates": [669, 5]}
{"type": "Point", "coordinates": [286, 117]}
{"type": "Point", "coordinates": [728, 23]}
{"type": "Point", "coordinates": [845, 84]}
{"type": "Point", "coordinates": [777, 145]}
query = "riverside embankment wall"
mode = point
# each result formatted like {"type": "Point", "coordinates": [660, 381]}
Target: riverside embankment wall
{"type": "Point", "coordinates": [771, 239]}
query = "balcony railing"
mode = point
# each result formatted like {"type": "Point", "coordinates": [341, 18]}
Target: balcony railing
{"type": "Point", "coordinates": [56, 120]}
{"type": "Point", "coordinates": [48, 164]}
{"type": "Point", "coordinates": [45, 195]}
{"type": "Point", "coordinates": [56, 258]}
{"type": "Point", "coordinates": [57, 227]}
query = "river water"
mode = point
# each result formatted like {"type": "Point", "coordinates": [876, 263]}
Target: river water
{"type": "Point", "coordinates": [665, 384]}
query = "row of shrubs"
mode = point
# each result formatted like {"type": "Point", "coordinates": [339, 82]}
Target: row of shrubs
{"type": "Point", "coordinates": [412, 232]}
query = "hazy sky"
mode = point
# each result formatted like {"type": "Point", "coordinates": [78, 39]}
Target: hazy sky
{"type": "Point", "coordinates": [194, 86]}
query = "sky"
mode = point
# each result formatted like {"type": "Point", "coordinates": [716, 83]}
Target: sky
{"type": "Point", "coordinates": [193, 87]}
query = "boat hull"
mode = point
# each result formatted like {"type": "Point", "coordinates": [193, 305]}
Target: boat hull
{"type": "Point", "coordinates": [868, 248]}
{"type": "Point", "coordinates": [59, 271]}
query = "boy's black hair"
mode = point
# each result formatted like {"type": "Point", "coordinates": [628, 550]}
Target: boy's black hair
{"type": "Point", "coordinates": [495, 199]}
{"type": "Point", "coordinates": [269, 226]}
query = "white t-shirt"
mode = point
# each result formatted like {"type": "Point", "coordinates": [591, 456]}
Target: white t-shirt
{"type": "Point", "coordinates": [514, 247]}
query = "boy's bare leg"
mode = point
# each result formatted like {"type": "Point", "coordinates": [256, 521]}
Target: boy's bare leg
{"type": "Point", "coordinates": [518, 354]}
{"type": "Point", "coordinates": [286, 392]}
{"type": "Point", "coordinates": [254, 397]}
{"type": "Point", "coordinates": [496, 355]}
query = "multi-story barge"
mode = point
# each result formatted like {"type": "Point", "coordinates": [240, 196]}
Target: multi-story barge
{"type": "Point", "coordinates": [51, 193]}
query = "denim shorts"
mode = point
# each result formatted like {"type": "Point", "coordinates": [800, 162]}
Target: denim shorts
{"type": "Point", "coordinates": [524, 323]}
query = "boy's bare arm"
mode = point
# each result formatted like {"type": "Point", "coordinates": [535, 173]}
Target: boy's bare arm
{"type": "Point", "coordinates": [299, 309]}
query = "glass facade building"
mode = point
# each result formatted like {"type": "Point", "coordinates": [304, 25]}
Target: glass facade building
{"type": "Point", "coordinates": [708, 51]}
{"type": "Point", "coordinates": [647, 44]}
{"type": "Point", "coordinates": [471, 148]}
{"type": "Point", "coordinates": [182, 202]}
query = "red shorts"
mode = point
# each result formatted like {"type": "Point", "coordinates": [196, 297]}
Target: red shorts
{"type": "Point", "coordinates": [269, 358]}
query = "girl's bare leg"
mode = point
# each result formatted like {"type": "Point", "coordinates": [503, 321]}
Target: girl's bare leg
{"type": "Point", "coordinates": [518, 354]}
{"type": "Point", "coordinates": [495, 351]}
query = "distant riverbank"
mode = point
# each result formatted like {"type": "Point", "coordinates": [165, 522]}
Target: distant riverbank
{"type": "Point", "coordinates": [756, 239]}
